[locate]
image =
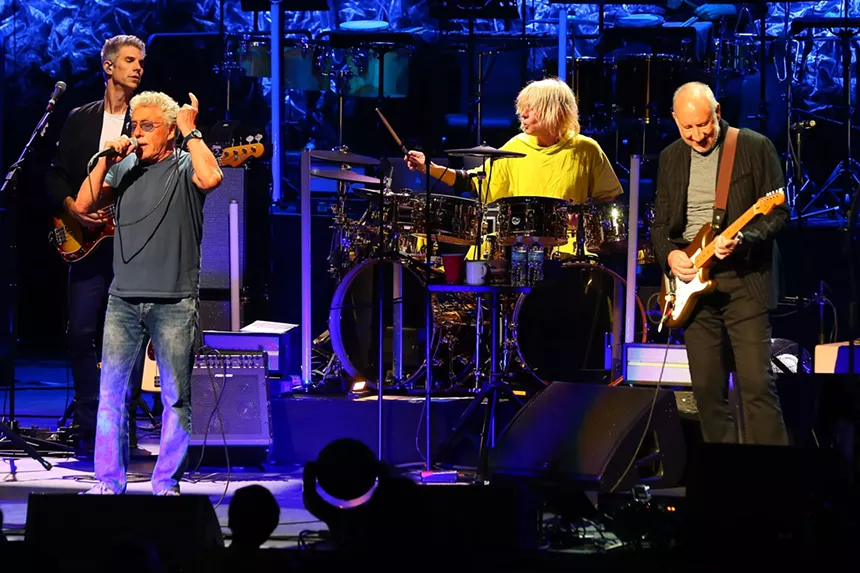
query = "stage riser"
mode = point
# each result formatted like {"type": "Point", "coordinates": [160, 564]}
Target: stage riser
{"type": "Point", "coordinates": [304, 425]}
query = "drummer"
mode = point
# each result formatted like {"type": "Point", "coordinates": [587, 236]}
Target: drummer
{"type": "Point", "coordinates": [559, 161]}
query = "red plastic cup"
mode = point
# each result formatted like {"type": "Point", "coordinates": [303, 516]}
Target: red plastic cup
{"type": "Point", "coordinates": [453, 268]}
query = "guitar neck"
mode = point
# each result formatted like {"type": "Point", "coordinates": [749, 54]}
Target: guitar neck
{"type": "Point", "coordinates": [728, 234]}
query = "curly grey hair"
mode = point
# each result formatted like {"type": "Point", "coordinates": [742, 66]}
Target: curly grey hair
{"type": "Point", "coordinates": [168, 106]}
{"type": "Point", "coordinates": [111, 48]}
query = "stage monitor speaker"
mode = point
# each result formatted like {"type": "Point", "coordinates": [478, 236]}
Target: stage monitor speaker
{"type": "Point", "coordinates": [230, 407]}
{"type": "Point", "coordinates": [586, 434]}
{"type": "Point", "coordinates": [66, 530]}
{"type": "Point", "coordinates": [215, 246]}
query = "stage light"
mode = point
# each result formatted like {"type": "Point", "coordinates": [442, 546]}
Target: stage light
{"type": "Point", "coordinates": [358, 389]}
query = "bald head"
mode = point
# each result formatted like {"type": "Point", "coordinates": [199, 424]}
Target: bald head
{"type": "Point", "coordinates": [697, 115]}
{"type": "Point", "coordinates": [694, 94]}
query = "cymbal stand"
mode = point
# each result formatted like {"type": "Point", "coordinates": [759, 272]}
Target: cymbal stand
{"type": "Point", "coordinates": [848, 169]}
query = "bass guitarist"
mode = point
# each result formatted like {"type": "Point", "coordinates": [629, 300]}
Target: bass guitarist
{"type": "Point", "coordinates": [84, 133]}
{"type": "Point", "coordinates": [738, 310]}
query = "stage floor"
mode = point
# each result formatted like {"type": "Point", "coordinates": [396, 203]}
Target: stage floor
{"type": "Point", "coordinates": [41, 400]}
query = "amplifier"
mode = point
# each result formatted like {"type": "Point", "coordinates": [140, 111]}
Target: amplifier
{"type": "Point", "coordinates": [277, 340]}
{"type": "Point", "coordinates": [238, 383]}
{"type": "Point", "coordinates": [643, 364]}
{"type": "Point", "coordinates": [833, 358]}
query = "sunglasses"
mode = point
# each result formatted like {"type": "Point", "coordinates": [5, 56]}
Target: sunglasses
{"type": "Point", "coordinates": [146, 126]}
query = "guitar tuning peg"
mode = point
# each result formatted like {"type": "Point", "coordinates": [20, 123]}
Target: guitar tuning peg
{"type": "Point", "coordinates": [259, 137]}
{"type": "Point", "coordinates": [249, 139]}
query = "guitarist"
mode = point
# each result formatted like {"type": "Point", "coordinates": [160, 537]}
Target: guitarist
{"type": "Point", "coordinates": [85, 132]}
{"type": "Point", "coordinates": [746, 270]}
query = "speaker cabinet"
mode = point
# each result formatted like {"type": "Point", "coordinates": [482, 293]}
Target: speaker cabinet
{"type": "Point", "coordinates": [230, 408]}
{"type": "Point", "coordinates": [72, 532]}
{"type": "Point", "coordinates": [587, 434]}
{"type": "Point", "coordinates": [215, 245]}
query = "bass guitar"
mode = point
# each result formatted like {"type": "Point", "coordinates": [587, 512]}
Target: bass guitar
{"type": "Point", "coordinates": [74, 242]}
{"type": "Point", "coordinates": [677, 298]}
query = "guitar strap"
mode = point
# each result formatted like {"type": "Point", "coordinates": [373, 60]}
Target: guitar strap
{"type": "Point", "coordinates": [724, 178]}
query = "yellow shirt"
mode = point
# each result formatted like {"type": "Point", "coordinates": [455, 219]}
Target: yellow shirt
{"type": "Point", "coordinates": [575, 169]}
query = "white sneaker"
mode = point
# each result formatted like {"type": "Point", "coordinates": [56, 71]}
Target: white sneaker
{"type": "Point", "coordinates": [100, 488]}
{"type": "Point", "coordinates": [167, 492]}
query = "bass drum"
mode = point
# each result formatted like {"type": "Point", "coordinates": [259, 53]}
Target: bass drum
{"type": "Point", "coordinates": [354, 326]}
{"type": "Point", "coordinates": [560, 327]}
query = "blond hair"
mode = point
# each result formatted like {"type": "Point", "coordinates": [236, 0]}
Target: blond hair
{"type": "Point", "coordinates": [112, 46]}
{"type": "Point", "coordinates": [553, 102]}
{"type": "Point", "coordinates": [168, 106]}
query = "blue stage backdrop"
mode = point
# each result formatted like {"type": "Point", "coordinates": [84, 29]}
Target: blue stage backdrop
{"type": "Point", "coordinates": [58, 38]}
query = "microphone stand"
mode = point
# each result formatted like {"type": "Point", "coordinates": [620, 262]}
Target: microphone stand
{"type": "Point", "coordinates": [9, 426]}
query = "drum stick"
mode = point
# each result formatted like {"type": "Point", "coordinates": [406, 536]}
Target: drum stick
{"type": "Point", "coordinates": [391, 131]}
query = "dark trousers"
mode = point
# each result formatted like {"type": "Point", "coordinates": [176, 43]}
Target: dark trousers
{"type": "Point", "coordinates": [730, 315]}
{"type": "Point", "coordinates": [89, 281]}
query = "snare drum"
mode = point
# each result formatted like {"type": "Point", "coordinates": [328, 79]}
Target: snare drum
{"type": "Point", "coordinates": [455, 219]}
{"type": "Point", "coordinates": [543, 218]}
{"type": "Point", "coordinates": [645, 84]}
{"type": "Point", "coordinates": [302, 64]}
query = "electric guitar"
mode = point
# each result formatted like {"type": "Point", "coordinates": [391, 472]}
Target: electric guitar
{"type": "Point", "coordinates": [677, 298]}
{"type": "Point", "coordinates": [151, 379]}
{"type": "Point", "coordinates": [73, 241]}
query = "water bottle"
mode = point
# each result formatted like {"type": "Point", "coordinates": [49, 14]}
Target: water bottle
{"type": "Point", "coordinates": [519, 263]}
{"type": "Point", "coordinates": [536, 256]}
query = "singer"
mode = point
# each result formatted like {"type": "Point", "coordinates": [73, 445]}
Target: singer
{"type": "Point", "coordinates": [160, 191]}
{"type": "Point", "coordinates": [85, 131]}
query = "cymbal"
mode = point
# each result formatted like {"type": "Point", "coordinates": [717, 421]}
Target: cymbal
{"type": "Point", "coordinates": [483, 151]}
{"type": "Point", "coordinates": [570, 20]}
{"type": "Point", "coordinates": [344, 175]}
{"type": "Point", "coordinates": [374, 193]}
{"type": "Point", "coordinates": [339, 156]}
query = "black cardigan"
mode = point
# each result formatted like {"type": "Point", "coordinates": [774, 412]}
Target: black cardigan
{"type": "Point", "coordinates": [79, 141]}
{"type": "Point", "coordinates": [757, 171]}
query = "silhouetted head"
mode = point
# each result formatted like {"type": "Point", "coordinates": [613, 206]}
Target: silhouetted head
{"type": "Point", "coordinates": [253, 516]}
{"type": "Point", "coordinates": [347, 473]}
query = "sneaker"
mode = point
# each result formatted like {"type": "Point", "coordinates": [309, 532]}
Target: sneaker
{"type": "Point", "coordinates": [100, 488]}
{"type": "Point", "coordinates": [167, 492]}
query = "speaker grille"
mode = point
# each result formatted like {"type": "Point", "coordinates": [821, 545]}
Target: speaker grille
{"type": "Point", "coordinates": [244, 402]}
{"type": "Point", "coordinates": [215, 245]}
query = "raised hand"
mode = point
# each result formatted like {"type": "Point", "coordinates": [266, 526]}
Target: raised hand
{"type": "Point", "coordinates": [186, 119]}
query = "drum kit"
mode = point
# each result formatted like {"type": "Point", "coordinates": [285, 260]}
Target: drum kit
{"type": "Point", "coordinates": [564, 325]}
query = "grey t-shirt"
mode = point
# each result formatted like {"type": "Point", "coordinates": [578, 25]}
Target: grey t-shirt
{"type": "Point", "coordinates": [702, 190]}
{"type": "Point", "coordinates": [159, 214]}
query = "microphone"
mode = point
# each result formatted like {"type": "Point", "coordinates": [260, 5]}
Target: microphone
{"type": "Point", "coordinates": [805, 124]}
{"type": "Point", "coordinates": [59, 88]}
{"type": "Point", "coordinates": [110, 152]}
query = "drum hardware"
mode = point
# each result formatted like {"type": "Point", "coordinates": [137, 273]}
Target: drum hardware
{"type": "Point", "coordinates": [848, 169]}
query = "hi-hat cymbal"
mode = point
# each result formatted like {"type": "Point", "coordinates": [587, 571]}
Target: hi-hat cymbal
{"type": "Point", "coordinates": [344, 175]}
{"type": "Point", "coordinates": [339, 156]}
{"type": "Point", "coordinates": [483, 151]}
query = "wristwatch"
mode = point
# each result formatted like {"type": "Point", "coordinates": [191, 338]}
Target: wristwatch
{"type": "Point", "coordinates": [193, 134]}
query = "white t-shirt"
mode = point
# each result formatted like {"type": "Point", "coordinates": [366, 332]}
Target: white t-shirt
{"type": "Point", "coordinates": [111, 128]}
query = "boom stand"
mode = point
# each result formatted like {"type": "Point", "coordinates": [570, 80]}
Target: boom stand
{"type": "Point", "coordinates": [8, 428]}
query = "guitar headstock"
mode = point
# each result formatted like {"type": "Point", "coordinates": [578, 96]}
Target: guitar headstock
{"type": "Point", "coordinates": [236, 156]}
{"type": "Point", "coordinates": [766, 204]}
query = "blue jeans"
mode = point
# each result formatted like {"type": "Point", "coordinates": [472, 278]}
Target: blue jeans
{"type": "Point", "coordinates": [129, 324]}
